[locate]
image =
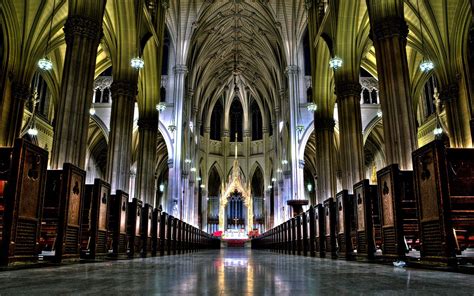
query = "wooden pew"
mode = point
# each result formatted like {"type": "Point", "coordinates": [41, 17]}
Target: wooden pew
{"type": "Point", "coordinates": [155, 232]}
{"type": "Point", "coordinates": [62, 212]}
{"type": "Point", "coordinates": [294, 238]}
{"type": "Point", "coordinates": [95, 220]}
{"type": "Point", "coordinates": [398, 211]}
{"type": "Point", "coordinates": [444, 187]}
{"type": "Point", "coordinates": [145, 231]}
{"type": "Point", "coordinates": [330, 223]}
{"type": "Point", "coordinates": [163, 233]}
{"type": "Point", "coordinates": [344, 217]}
{"type": "Point", "coordinates": [319, 231]}
{"type": "Point", "coordinates": [169, 234]}
{"type": "Point", "coordinates": [281, 240]}
{"type": "Point", "coordinates": [305, 232]}
{"type": "Point", "coordinates": [22, 185]}
{"type": "Point", "coordinates": [174, 235]}
{"type": "Point", "coordinates": [311, 231]}
{"type": "Point", "coordinates": [299, 235]}
{"type": "Point", "coordinates": [179, 236]}
{"type": "Point", "coordinates": [367, 218]}
{"type": "Point", "coordinates": [288, 236]}
{"type": "Point", "coordinates": [118, 215]}
{"type": "Point", "coordinates": [133, 228]}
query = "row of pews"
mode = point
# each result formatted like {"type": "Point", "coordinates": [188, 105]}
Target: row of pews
{"type": "Point", "coordinates": [53, 215]}
{"type": "Point", "coordinates": [429, 209]}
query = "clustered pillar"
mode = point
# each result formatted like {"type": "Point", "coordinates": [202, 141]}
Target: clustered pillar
{"type": "Point", "coordinates": [83, 34]}
{"type": "Point", "coordinates": [326, 156]}
{"type": "Point", "coordinates": [390, 38]}
{"type": "Point", "coordinates": [350, 132]}
{"type": "Point", "coordinates": [145, 184]}
{"type": "Point", "coordinates": [120, 136]}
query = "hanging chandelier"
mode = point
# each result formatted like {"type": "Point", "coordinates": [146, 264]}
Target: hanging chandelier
{"type": "Point", "coordinates": [44, 63]}
{"type": "Point", "coordinates": [426, 64]}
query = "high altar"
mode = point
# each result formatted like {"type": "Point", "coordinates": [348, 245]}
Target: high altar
{"type": "Point", "coordinates": [236, 186]}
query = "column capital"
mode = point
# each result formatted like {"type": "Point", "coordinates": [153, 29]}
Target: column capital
{"type": "Point", "coordinates": [124, 88]}
{"type": "Point", "coordinates": [21, 91]}
{"type": "Point", "coordinates": [84, 27]}
{"type": "Point", "coordinates": [389, 27]}
{"type": "Point", "coordinates": [225, 133]}
{"type": "Point", "coordinates": [321, 124]}
{"type": "Point", "coordinates": [247, 133]}
{"type": "Point", "coordinates": [165, 3]}
{"type": "Point", "coordinates": [347, 89]}
{"type": "Point", "coordinates": [180, 69]}
{"type": "Point", "coordinates": [148, 123]}
{"type": "Point", "coordinates": [449, 92]}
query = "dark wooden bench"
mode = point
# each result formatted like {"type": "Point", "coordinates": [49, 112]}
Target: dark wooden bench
{"type": "Point", "coordinates": [145, 231]}
{"type": "Point", "coordinates": [444, 186]}
{"type": "Point", "coordinates": [367, 218]}
{"type": "Point", "coordinates": [95, 220]}
{"type": "Point", "coordinates": [22, 185]}
{"type": "Point", "coordinates": [344, 217]}
{"type": "Point", "coordinates": [155, 232]}
{"type": "Point", "coordinates": [169, 235]}
{"type": "Point", "coordinates": [163, 233]}
{"type": "Point", "coordinates": [330, 227]}
{"type": "Point", "coordinates": [319, 231]}
{"type": "Point", "coordinates": [62, 212]}
{"type": "Point", "coordinates": [305, 233]}
{"type": "Point", "coordinates": [294, 238]}
{"type": "Point", "coordinates": [118, 215]}
{"type": "Point", "coordinates": [299, 234]}
{"type": "Point", "coordinates": [134, 220]}
{"type": "Point", "coordinates": [398, 211]}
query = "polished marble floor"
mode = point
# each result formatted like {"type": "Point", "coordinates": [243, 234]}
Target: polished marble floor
{"type": "Point", "coordinates": [233, 272]}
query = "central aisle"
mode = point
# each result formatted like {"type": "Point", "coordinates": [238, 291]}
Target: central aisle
{"type": "Point", "coordinates": [231, 272]}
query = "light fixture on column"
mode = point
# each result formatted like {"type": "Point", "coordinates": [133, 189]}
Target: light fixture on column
{"type": "Point", "coordinates": [187, 160]}
{"type": "Point", "coordinates": [274, 179]}
{"type": "Point", "coordinates": [198, 179]}
{"type": "Point", "coordinates": [300, 128]}
{"type": "Point", "coordinates": [193, 169]}
{"type": "Point", "coordinates": [312, 107]}
{"type": "Point", "coordinates": [309, 187]}
{"type": "Point", "coordinates": [279, 170]}
{"type": "Point", "coordinates": [92, 111]}
{"type": "Point", "coordinates": [379, 113]}
{"type": "Point", "coordinates": [335, 63]}
{"type": "Point", "coordinates": [161, 107]}
{"type": "Point", "coordinates": [33, 131]}
{"type": "Point", "coordinates": [270, 187]}
{"type": "Point", "coordinates": [426, 64]}
{"type": "Point", "coordinates": [172, 128]}
{"type": "Point", "coordinates": [438, 131]}
{"type": "Point", "coordinates": [162, 187]}
{"type": "Point", "coordinates": [284, 162]}
{"type": "Point", "coordinates": [137, 63]}
{"type": "Point", "coordinates": [45, 63]}
{"type": "Point", "coordinates": [202, 186]}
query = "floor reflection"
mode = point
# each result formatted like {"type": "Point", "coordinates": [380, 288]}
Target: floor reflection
{"type": "Point", "coordinates": [232, 272]}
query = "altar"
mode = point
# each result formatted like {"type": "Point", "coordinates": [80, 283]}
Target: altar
{"type": "Point", "coordinates": [231, 234]}
{"type": "Point", "coordinates": [236, 204]}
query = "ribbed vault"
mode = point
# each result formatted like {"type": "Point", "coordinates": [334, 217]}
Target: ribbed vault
{"type": "Point", "coordinates": [238, 41]}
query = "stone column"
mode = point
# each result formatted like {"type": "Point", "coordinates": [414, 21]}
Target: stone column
{"type": "Point", "coordinates": [457, 119]}
{"type": "Point", "coordinates": [350, 133]}
{"type": "Point", "coordinates": [325, 158]}
{"type": "Point", "coordinates": [147, 136]}
{"type": "Point", "coordinates": [175, 173]}
{"type": "Point", "coordinates": [389, 36]}
{"type": "Point", "coordinates": [119, 153]}
{"type": "Point", "coordinates": [83, 35]}
{"type": "Point", "coordinates": [20, 93]}
{"type": "Point", "coordinates": [293, 95]}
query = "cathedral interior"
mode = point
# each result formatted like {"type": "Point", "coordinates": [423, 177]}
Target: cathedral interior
{"type": "Point", "coordinates": [290, 142]}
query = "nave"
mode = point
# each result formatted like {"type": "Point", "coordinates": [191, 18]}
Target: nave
{"type": "Point", "coordinates": [232, 271]}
